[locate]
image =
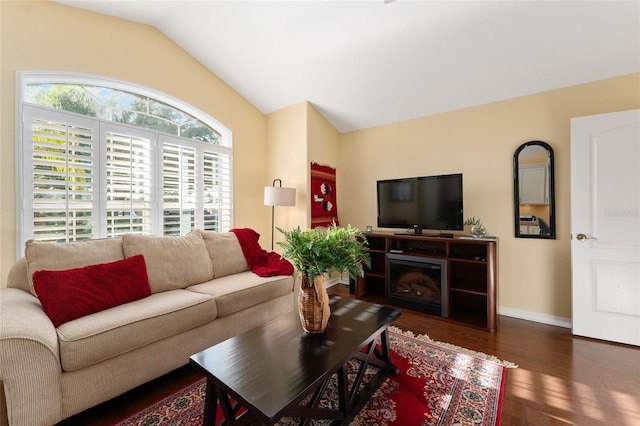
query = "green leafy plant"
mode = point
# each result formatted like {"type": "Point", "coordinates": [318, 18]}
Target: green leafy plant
{"type": "Point", "coordinates": [472, 221]}
{"type": "Point", "coordinates": [321, 251]}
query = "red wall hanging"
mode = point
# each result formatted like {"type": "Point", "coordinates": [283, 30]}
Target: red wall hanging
{"type": "Point", "coordinates": [324, 209]}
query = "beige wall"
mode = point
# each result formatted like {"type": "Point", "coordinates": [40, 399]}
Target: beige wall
{"type": "Point", "coordinates": [286, 159]}
{"type": "Point", "coordinates": [534, 274]}
{"type": "Point", "coordinates": [50, 36]}
{"type": "Point", "coordinates": [323, 140]}
{"type": "Point", "coordinates": [298, 135]}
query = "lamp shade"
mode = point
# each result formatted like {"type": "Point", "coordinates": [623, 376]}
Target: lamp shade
{"type": "Point", "coordinates": [278, 196]}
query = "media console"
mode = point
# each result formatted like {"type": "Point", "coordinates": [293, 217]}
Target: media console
{"type": "Point", "coordinates": [468, 287]}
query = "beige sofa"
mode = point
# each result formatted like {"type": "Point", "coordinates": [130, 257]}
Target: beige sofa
{"type": "Point", "coordinates": [202, 292]}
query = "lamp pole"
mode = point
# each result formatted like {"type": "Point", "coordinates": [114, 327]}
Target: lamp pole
{"type": "Point", "coordinates": [273, 207]}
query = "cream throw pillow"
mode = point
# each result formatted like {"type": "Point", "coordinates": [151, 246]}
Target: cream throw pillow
{"type": "Point", "coordinates": [60, 256]}
{"type": "Point", "coordinates": [225, 252]}
{"type": "Point", "coordinates": [172, 262]}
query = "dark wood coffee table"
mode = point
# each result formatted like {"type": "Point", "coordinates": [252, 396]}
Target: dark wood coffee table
{"type": "Point", "coordinates": [264, 374]}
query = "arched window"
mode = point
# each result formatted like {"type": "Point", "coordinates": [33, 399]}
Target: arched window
{"type": "Point", "coordinates": [100, 158]}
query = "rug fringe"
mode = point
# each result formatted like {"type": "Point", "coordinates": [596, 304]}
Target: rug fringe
{"type": "Point", "coordinates": [477, 354]}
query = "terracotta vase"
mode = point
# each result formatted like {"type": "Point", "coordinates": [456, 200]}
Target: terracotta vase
{"type": "Point", "coordinates": [313, 305]}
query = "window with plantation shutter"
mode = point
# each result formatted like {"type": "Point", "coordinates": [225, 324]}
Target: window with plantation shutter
{"type": "Point", "coordinates": [100, 162]}
{"type": "Point", "coordinates": [196, 187]}
{"type": "Point", "coordinates": [61, 204]}
{"type": "Point", "coordinates": [128, 182]}
{"type": "Point", "coordinates": [179, 189]}
{"type": "Point", "coordinates": [217, 190]}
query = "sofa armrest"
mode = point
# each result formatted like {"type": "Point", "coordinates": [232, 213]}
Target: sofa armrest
{"type": "Point", "coordinates": [30, 368]}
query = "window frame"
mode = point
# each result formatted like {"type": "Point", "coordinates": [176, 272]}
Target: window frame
{"type": "Point", "coordinates": [25, 78]}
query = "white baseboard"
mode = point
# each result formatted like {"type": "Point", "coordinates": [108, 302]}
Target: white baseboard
{"type": "Point", "coordinates": [335, 281]}
{"type": "Point", "coordinates": [535, 316]}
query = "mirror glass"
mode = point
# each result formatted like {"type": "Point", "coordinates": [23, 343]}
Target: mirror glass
{"type": "Point", "coordinates": [534, 201]}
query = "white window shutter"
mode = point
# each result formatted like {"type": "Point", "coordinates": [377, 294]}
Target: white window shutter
{"type": "Point", "coordinates": [128, 181]}
{"type": "Point", "coordinates": [60, 181]}
{"type": "Point", "coordinates": [179, 189]}
{"type": "Point", "coordinates": [217, 191]}
{"type": "Point", "coordinates": [85, 178]}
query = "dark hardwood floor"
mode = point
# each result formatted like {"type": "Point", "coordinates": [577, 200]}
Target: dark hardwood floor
{"type": "Point", "coordinates": [561, 379]}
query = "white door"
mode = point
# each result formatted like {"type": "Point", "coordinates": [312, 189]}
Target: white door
{"type": "Point", "coordinates": [605, 226]}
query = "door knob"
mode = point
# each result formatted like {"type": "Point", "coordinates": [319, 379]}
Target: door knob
{"type": "Point", "coordinates": [582, 237]}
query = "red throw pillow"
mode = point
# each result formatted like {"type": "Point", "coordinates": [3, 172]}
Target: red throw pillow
{"type": "Point", "coordinates": [74, 293]}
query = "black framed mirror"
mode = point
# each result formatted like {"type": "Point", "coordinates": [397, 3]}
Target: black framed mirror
{"type": "Point", "coordinates": [534, 191]}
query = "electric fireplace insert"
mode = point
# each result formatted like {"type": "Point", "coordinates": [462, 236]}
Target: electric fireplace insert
{"type": "Point", "coordinates": [417, 283]}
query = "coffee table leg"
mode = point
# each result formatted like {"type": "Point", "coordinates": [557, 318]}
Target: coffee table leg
{"type": "Point", "coordinates": [386, 354]}
{"type": "Point", "coordinates": [210, 405]}
{"type": "Point", "coordinates": [344, 399]}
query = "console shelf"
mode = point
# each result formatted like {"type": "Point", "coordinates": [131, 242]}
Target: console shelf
{"type": "Point", "coordinates": [471, 267]}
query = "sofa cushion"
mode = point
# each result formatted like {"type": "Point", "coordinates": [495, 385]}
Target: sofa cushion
{"type": "Point", "coordinates": [74, 293]}
{"type": "Point", "coordinates": [107, 334]}
{"type": "Point", "coordinates": [225, 252]}
{"type": "Point", "coordinates": [172, 262]}
{"type": "Point", "coordinates": [60, 256]}
{"type": "Point", "coordinates": [240, 291]}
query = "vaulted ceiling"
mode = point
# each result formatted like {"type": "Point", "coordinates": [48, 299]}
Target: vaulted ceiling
{"type": "Point", "coordinates": [369, 63]}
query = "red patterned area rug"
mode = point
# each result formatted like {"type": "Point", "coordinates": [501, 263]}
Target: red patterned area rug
{"type": "Point", "coordinates": [438, 384]}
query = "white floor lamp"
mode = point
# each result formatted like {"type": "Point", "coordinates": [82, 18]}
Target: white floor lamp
{"type": "Point", "coordinates": [278, 196]}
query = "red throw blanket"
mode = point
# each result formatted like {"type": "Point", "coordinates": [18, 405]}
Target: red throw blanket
{"type": "Point", "coordinates": [261, 262]}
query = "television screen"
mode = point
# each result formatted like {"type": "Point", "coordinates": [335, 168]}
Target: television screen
{"type": "Point", "coordinates": [429, 202]}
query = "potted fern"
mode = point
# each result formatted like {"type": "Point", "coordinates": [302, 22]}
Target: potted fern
{"type": "Point", "coordinates": [319, 251]}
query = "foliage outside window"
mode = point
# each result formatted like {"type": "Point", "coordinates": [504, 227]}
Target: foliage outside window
{"type": "Point", "coordinates": [121, 107]}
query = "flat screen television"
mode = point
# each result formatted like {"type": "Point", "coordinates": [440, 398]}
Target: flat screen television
{"type": "Point", "coordinates": [427, 202]}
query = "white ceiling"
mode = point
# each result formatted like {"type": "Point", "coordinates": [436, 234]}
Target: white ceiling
{"type": "Point", "coordinates": [368, 63]}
